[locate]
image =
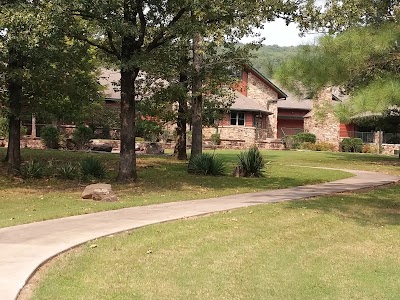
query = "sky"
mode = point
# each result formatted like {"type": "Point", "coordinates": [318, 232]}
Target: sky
{"type": "Point", "coordinates": [277, 33]}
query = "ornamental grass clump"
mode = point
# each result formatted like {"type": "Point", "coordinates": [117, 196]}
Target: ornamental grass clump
{"type": "Point", "coordinates": [33, 169]}
{"type": "Point", "coordinates": [206, 164]}
{"type": "Point", "coordinates": [67, 171]}
{"type": "Point", "coordinates": [92, 167]}
{"type": "Point", "coordinates": [251, 163]}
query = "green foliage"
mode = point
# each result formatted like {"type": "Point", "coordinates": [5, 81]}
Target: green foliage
{"type": "Point", "coordinates": [296, 141]}
{"type": "Point", "coordinates": [337, 16]}
{"type": "Point", "coordinates": [3, 127]}
{"type": "Point", "coordinates": [357, 145]}
{"type": "Point", "coordinates": [105, 132]}
{"type": "Point", "coordinates": [352, 145]}
{"type": "Point", "coordinates": [346, 145]}
{"type": "Point", "coordinates": [149, 130]}
{"type": "Point", "coordinates": [50, 136]}
{"type": "Point", "coordinates": [216, 139]}
{"type": "Point", "coordinates": [82, 136]}
{"type": "Point", "coordinates": [290, 142]}
{"type": "Point", "coordinates": [364, 61]}
{"type": "Point", "coordinates": [67, 171]}
{"type": "Point", "coordinates": [267, 59]}
{"type": "Point", "coordinates": [251, 162]}
{"type": "Point", "coordinates": [318, 146]}
{"type": "Point", "coordinates": [206, 164]}
{"type": "Point", "coordinates": [32, 169]}
{"type": "Point", "coordinates": [92, 168]}
{"type": "Point", "coordinates": [305, 137]}
{"type": "Point", "coordinates": [370, 149]}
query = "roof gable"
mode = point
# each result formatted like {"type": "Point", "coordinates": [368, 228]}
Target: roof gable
{"type": "Point", "coordinates": [266, 81]}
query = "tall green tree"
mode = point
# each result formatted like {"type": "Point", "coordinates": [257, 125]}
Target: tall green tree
{"type": "Point", "coordinates": [129, 31]}
{"type": "Point", "coordinates": [40, 68]}
{"type": "Point", "coordinates": [363, 57]}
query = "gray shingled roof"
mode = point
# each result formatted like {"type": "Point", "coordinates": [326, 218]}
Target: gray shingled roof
{"type": "Point", "coordinates": [292, 102]}
{"type": "Point", "coordinates": [244, 103]}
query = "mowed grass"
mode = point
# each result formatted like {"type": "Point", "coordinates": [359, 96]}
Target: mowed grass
{"type": "Point", "coordinates": [344, 246]}
{"type": "Point", "coordinates": [164, 179]}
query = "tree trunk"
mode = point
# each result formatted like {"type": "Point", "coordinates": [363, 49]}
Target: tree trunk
{"type": "Point", "coordinates": [13, 156]}
{"type": "Point", "coordinates": [180, 147]}
{"type": "Point", "coordinates": [197, 97]}
{"type": "Point", "coordinates": [33, 131]}
{"type": "Point", "coordinates": [127, 165]}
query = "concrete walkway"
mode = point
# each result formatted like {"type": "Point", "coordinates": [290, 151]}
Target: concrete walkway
{"type": "Point", "coordinates": [24, 248]}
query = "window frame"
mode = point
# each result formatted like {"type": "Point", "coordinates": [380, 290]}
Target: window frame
{"type": "Point", "coordinates": [237, 118]}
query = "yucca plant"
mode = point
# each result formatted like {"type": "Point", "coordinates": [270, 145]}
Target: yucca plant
{"type": "Point", "coordinates": [92, 167]}
{"type": "Point", "coordinates": [251, 162]}
{"type": "Point", "coordinates": [32, 169]}
{"type": "Point", "coordinates": [206, 164]}
{"type": "Point", "coordinates": [68, 171]}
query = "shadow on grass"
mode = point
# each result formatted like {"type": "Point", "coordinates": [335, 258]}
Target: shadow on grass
{"type": "Point", "coordinates": [377, 207]}
{"type": "Point", "coordinates": [164, 173]}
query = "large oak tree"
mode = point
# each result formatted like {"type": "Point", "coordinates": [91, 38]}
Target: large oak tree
{"type": "Point", "coordinates": [42, 70]}
{"type": "Point", "coordinates": [129, 31]}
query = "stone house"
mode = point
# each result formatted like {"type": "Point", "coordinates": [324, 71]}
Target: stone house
{"type": "Point", "coordinates": [262, 114]}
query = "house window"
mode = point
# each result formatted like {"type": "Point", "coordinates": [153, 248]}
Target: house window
{"type": "Point", "coordinates": [237, 118]}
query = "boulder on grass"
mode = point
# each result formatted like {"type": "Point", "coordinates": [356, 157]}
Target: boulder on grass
{"type": "Point", "coordinates": [104, 195]}
{"type": "Point", "coordinates": [99, 192]}
{"type": "Point", "coordinates": [154, 148]}
{"type": "Point", "coordinates": [102, 147]}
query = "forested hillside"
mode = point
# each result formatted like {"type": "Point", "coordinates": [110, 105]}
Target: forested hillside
{"type": "Point", "coordinates": [268, 58]}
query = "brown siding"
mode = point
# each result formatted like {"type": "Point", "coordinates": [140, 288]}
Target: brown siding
{"type": "Point", "coordinates": [346, 130]}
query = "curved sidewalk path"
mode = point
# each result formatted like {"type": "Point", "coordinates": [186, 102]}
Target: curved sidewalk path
{"type": "Point", "coordinates": [24, 248]}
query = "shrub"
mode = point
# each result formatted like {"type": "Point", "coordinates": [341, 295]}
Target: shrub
{"type": "Point", "coordinates": [68, 171]}
{"type": "Point", "coordinates": [92, 167]}
{"type": "Point", "coordinates": [82, 136]}
{"type": "Point", "coordinates": [347, 145]}
{"type": "Point", "coordinates": [369, 149]}
{"type": "Point", "coordinates": [307, 146]}
{"type": "Point", "coordinates": [50, 136]}
{"type": "Point", "coordinates": [291, 142]}
{"type": "Point", "coordinates": [352, 145]}
{"type": "Point", "coordinates": [357, 144]}
{"type": "Point", "coordinates": [251, 162]}
{"type": "Point", "coordinates": [216, 139]}
{"type": "Point", "coordinates": [206, 164]}
{"type": "Point", "coordinates": [394, 140]}
{"type": "Point", "coordinates": [32, 169]}
{"type": "Point", "coordinates": [324, 146]}
{"type": "Point", "coordinates": [106, 132]}
{"type": "Point", "coordinates": [305, 137]}
{"type": "Point", "coordinates": [149, 130]}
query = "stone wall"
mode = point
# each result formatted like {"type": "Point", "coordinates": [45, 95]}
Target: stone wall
{"type": "Point", "coordinates": [259, 91]}
{"type": "Point", "coordinates": [389, 149]}
{"type": "Point", "coordinates": [321, 121]}
{"type": "Point", "coordinates": [32, 143]}
{"type": "Point", "coordinates": [272, 123]}
{"type": "Point", "coordinates": [245, 135]}
{"type": "Point", "coordinates": [267, 97]}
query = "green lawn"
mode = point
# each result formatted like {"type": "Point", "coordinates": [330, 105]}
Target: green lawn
{"type": "Point", "coordinates": [161, 179]}
{"type": "Point", "coordinates": [344, 246]}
